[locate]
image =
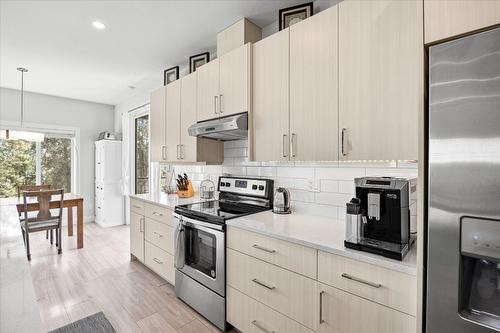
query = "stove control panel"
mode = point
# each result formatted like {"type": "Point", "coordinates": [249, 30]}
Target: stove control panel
{"type": "Point", "coordinates": [244, 186]}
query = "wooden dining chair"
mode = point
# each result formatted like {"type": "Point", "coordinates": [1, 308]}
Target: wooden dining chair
{"type": "Point", "coordinates": [22, 188]}
{"type": "Point", "coordinates": [44, 220]}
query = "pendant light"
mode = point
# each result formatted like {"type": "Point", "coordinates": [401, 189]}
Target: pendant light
{"type": "Point", "coordinates": [21, 135]}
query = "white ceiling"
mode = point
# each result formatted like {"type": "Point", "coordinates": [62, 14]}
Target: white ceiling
{"type": "Point", "coordinates": [67, 57]}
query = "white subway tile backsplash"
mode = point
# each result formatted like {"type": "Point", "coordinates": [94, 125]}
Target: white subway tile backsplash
{"type": "Point", "coordinates": [261, 171]}
{"type": "Point", "coordinates": [339, 173]}
{"type": "Point", "coordinates": [236, 144]}
{"type": "Point", "coordinates": [334, 199]}
{"type": "Point", "coordinates": [283, 182]}
{"type": "Point", "coordinates": [329, 185]}
{"type": "Point", "coordinates": [294, 172]}
{"type": "Point", "coordinates": [347, 186]}
{"type": "Point", "coordinates": [396, 172]}
{"type": "Point", "coordinates": [212, 169]}
{"type": "Point", "coordinates": [236, 171]}
{"type": "Point", "coordinates": [235, 152]}
{"type": "Point", "coordinates": [301, 195]}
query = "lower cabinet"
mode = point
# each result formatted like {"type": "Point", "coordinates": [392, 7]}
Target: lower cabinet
{"type": "Point", "coordinates": [152, 237]}
{"type": "Point", "coordinates": [265, 295]}
{"type": "Point", "coordinates": [137, 235]}
{"type": "Point", "coordinates": [251, 316]}
{"type": "Point", "coordinates": [342, 312]}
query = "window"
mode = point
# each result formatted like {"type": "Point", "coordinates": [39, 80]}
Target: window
{"type": "Point", "coordinates": [141, 152]}
{"type": "Point", "coordinates": [25, 162]}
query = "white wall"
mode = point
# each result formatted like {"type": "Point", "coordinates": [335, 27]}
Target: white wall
{"type": "Point", "coordinates": [90, 118]}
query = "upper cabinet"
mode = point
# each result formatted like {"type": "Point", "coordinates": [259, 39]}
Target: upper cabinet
{"type": "Point", "coordinates": [188, 116]}
{"type": "Point", "coordinates": [270, 98]}
{"type": "Point", "coordinates": [380, 79]}
{"type": "Point", "coordinates": [157, 120]}
{"type": "Point", "coordinates": [223, 85]}
{"type": "Point", "coordinates": [448, 18]}
{"type": "Point", "coordinates": [242, 32]}
{"type": "Point", "coordinates": [173, 115]}
{"type": "Point", "coordinates": [314, 87]}
{"type": "Point", "coordinates": [208, 90]}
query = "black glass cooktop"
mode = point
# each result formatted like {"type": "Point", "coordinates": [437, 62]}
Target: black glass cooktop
{"type": "Point", "coordinates": [216, 211]}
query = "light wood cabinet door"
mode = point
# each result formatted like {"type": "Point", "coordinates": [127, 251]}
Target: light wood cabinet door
{"type": "Point", "coordinates": [157, 122]}
{"type": "Point", "coordinates": [289, 293]}
{"type": "Point", "coordinates": [448, 18]}
{"type": "Point", "coordinates": [160, 234]}
{"type": "Point", "coordinates": [208, 91]}
{"type": "Point", "coordinates": [173, 121]}
{"type": "Point", "coordinates": [342, 312]}
{"type": "Point", "coordinates": [188, 117]}
{"type": "Point", "coordinates": [251, 316]}
{"type": "Point", "coordinates": [137, 235]}
{"type": "Point", "coordinates": [381, 79]}
{"type": "Point", "coordinates": [160, 261]}
{"type": "Point", "coordinates": [313, 87]}
{"type": "Point", "coordinates": [270, 98]}
{"type": "Point", "coordinates": [234, 89]}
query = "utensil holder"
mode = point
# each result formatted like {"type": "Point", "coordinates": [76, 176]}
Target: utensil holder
{"type": "Point", "coordinates": [188, 193]}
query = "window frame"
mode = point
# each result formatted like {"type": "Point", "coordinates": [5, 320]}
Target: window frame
{"type": "Point", "coordinates": [72, 133]}
{"type": "Point", "coordinates": [135, 149]}
{"type": "Point", "coordinates": [140, 112]}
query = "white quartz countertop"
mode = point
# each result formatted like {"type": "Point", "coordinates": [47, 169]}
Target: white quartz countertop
{"type": "Point", "coordinates": [18, 303]}
{"type": "Point", "coordinates": [321, 233]}
{"type": "Point", "coordinates": [165, 200]}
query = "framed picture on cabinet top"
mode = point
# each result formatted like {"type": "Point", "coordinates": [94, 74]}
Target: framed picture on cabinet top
{"type": "Point", "coordinates": [198, 60]}
{"type": "Point", "coordinates": [170, 75]}
{"type": "Point", "coordinates": [291, 15]}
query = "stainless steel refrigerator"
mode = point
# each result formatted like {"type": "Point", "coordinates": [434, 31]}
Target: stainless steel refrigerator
{"type": "Point", "coordinates": [463, 212]}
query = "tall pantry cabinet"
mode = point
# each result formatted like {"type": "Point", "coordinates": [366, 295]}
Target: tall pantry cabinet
{"type": "Point", "coordinates": [108, 181]}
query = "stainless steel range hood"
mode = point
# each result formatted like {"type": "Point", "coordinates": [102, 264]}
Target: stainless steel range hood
{"type": "Point", "coordinates": [228, 128]}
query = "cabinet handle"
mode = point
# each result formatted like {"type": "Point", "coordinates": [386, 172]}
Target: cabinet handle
{"type": "Point", "coordinates": [178, 152]}
{"type": "Point", "coordinates": [344, 141]}
{"type": "Point", "coordinates": [158, 261]}
{"type": "Point", "coordinates": [368, 283]}
{"type": "Point", "coordinates": [157, 214]}
{"type": "Point", "coordinates": [293, 143]}
{"type": "Point", "coordinates": [284, 144]}
{"type": "Point", "coordinates": [164, 152]}
{"type": "Point", "coordinates": [321, 320]}
{"type": "Point", "coordinates": [258, 247]}
{"type": "Point", "coordinates": [260, 327]}
{"type": "Point", "coordinates": [182, 151]}
{"type": "Point", "coordinates": [158, 234]}
{"type": "Point", "coordinates": [137, 206]}
{"type": "Point", "coordinates": [215, 103]}
{"type": "Point", "coordinates": [265, 285]}
{"type": "Point", "coordinates": [220, 104]}
{"type": "Point", "coordinates": [141, 224]}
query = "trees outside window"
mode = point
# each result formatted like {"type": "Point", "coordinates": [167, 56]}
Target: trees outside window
{"type": "Point", "coordinates": [142, 154]}
{"type": "Point", "coordinates": [27, 163]}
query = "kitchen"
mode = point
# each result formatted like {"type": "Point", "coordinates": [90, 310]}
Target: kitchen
{"type": "Point", "coordinates": [314, 167]}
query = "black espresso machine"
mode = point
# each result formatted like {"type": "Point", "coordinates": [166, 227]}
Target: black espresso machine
{"type": "Point", "coordinates": [378, 218]}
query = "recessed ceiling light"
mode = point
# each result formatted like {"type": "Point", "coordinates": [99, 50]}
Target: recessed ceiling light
{"type": "Point", "coordinates": [98, 25]}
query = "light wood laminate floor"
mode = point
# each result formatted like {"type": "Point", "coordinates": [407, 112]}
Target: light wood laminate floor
{"type": "Point", "coordinates": [101, 277]}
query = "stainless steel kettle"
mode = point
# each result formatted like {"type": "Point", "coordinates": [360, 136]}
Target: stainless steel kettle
{"type": "Point", "coordinates": [281, 204]}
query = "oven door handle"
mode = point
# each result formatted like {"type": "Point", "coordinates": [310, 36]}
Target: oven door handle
{"type": "Point", "coordinates": [198, 224]}
{"type": "Point", "coordinates": [180, 245]}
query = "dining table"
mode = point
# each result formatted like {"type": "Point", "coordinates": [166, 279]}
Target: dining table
{"type": "Point", "coordinates": [70, 201]}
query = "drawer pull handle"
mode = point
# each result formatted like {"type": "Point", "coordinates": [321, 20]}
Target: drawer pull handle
{"type": "Point", "coordinates": [158, 234]}
{"type": "Point", "coordinates": [158, 261]}
{"type": "Point", "coordinates": [368, 283]}
{"type": "Point", "coordinates": [258, 247]}
{"type": "Point", "coordinates": [260, 327]}
{"type": "Point", "coordinates": [157, 214]}
{"type": "Point", "coordinates": [321, 320]}
{"type": "Point", "coordinates": [265, 285]}
{"type": "Point", "coordinates": [137, 206]}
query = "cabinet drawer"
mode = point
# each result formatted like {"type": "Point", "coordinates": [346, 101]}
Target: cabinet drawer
{"type": "Point", "coordinates": [160, 234]}
{"type": "Point", "coordinates": [160, 261]}
{"type": "Point", "coordinates": [158, 213]}
{"type": "Point", "coordinates": [342, 312]}
{"type": "Point", "coordinates": [250, 316]}
{"type": "Point", "coordinates": [291, 294]}
{"type": "Point", "coordinates": [297, 258]}
{"type": "Point", "coordinates": [137, 206]}
{"type": "Point", "coordinates": [384, 286]}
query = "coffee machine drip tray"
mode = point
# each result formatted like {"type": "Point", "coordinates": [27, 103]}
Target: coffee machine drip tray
{"type": "Point", "coordinates": [385, 249]}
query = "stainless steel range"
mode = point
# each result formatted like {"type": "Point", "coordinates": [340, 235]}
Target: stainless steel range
{"type": "Point", "coordinates": [200, 244]}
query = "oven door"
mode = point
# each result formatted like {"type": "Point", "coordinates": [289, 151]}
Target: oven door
{"type": "Point", "coordinates": [200, 252]}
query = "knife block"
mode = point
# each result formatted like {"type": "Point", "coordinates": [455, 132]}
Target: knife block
{"type": "Point", "coordinates": [186, 194]}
